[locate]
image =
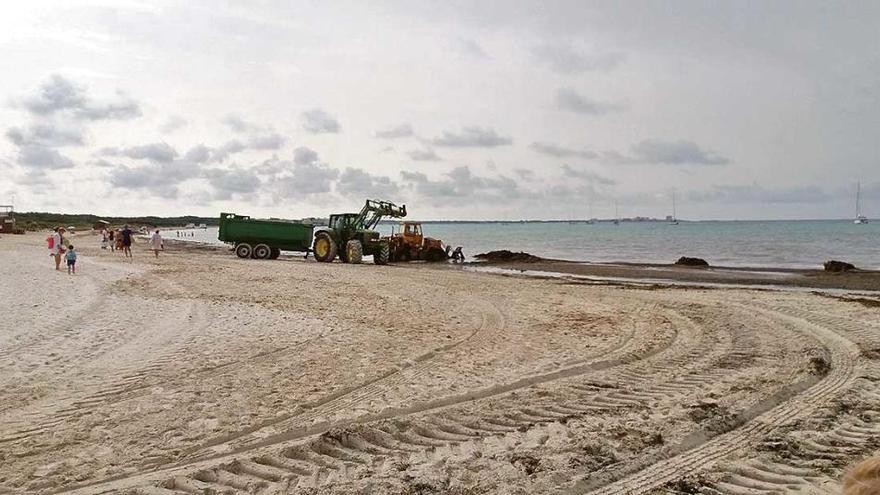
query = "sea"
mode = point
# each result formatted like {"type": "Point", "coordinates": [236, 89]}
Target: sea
{"type": "Point", "coordinates": [759, 244]}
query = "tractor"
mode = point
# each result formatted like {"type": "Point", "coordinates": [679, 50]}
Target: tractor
{"type": "Point", "coordinates": [351, 236]}
{"type": "Point", "coordinates": [409, 244]}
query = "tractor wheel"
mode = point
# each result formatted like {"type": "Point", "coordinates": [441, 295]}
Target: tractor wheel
{"type": "Point", "coordinates": [275, 254]}
{"type": "Point", "coordinates": [243, 250]}
{"type": "Point", "coordinates": [403, 255]}
{"type": "Point", "coordinates": [434, 255]}
{"type": "Point", "coordinates": [382, 255]}
{"type": "Point", "coordinates": [354, 251]}
{"type": "Point", "coordinates": [324, 248]}
{"type": "Point", "coordinates": [262, 252]}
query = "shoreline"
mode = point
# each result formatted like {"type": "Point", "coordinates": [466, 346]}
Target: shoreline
{"type": "Point", "coordinates": [628, 272]}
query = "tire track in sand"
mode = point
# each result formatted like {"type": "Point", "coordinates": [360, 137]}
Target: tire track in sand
{"type": "Point", "coordinates": [844, 355]}
{"type": "Point", "coordinates": [330, 457]}
{"type": "Point", "coordinates": [270, 444]}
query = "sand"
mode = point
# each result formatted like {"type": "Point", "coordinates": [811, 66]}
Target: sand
{"type": "Point", "coordinates": [203, 373]}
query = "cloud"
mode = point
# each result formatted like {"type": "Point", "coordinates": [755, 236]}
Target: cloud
{"type": "Point", "coordinates": [123, 108]}
{"type": "Point", "coordinates": [587, 176]}
{"type": "Point", "coordinates": [35, 156]}
{"type": "Point", "coordinates": [359, 183]}
{"type": "Point", "coordinates": [426, 155]}
{"type": "Point", "coordinates": [55, 94]}
{"type": "Point", "coordinates": [48, 133]}
{"type": "Point", "coordinates": [317, 121]}
{"type": "Point", "coordinates": [655, 151]}
{"type": "Point", "coordinates": [172, 124]}
{"type": "Point", "coordinates": [461, 185]}
{"type": "Point", "coordinates": [59, 95]}
{"type": "Point", "coordinates": [304, 155]}
{"type": "Point", "coordinates": [235, 181]}
{"type": "Point", "coordinates": [524, 173]}
{"type": "Point", "coordinates": [569, 100]}
{"type": "Point", "coordinates": [259, 138]}
{"type": "Point", "coordinates": [754, 193]}
{"type": "Point", "coordinates": [400, 131]}
{"type": "Point", "coordinates": [157, 152]}
{"type": "Point", "coordinates": [305, 179]}
{"type": "Point", "coordinates": [555, 150]}
{"type": "Point", "coordinates": [470, 48]}
{"type": "Point", "coordinates": [566, 60]}
{"type": "Point", "coordinates": [198, 154]}
{"type": "Point", "coordinates": [237, 124]}
{"type": "Point", "coordinates": [269, 141]}
{"type": "Point", "coordinates": [159, 178]}
{"type": "Point", "coordinates": [303, 176]}
{"type": "Point", "coordinates": [472, 137]}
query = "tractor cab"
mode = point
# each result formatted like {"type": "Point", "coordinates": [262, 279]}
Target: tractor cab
{"type": "Point", "coordinates": [411, 233]}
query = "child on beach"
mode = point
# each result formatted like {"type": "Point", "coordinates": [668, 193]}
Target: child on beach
{"type": "Point", "coordinates": [71, 260]}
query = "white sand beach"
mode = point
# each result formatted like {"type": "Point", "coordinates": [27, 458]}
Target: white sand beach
{"type": "Point", "coordinates": [199, 372]}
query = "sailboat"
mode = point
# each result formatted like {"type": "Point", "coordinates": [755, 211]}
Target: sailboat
{"type": "Point", "coordinates": [860, 219]}
{"type": "Point", "coordinates": [590, 218]}
{"type": "Point", "coordinates": [616, 215]}
{"type": "Point", "coordinates": [674, 219]}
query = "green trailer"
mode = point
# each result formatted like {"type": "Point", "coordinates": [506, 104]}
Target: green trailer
{"type": "Point", "coordinates": [264, 239]}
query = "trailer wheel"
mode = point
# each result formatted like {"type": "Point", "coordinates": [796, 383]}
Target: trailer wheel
{"type": "Point", "coordinates": [262, 252]}
{"type": "Point", "coordinates": [382, 255]}
{"type": "Point", "coordinates": [325, 247]}
{"type": "Point", "coordinates": [274, 254]}
{"type": "Point", "coordinates": [243, 250]}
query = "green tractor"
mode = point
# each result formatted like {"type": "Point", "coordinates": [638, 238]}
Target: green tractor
{"type": "Point", "coordinates": [351, 236]}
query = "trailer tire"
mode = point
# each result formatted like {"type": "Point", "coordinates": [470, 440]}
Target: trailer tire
{"type": "Point", "coordinates": [324, 248]}
{"type": "Point", "coordinates": [243, 250]}
{"type": "Point", "coordinates": [274, 254]}
{"type": "Point", "coordinates": [354, 251]}
{"type": "Point", "coordinates": [382, 255]}
{"type": "Point", "coordinates": [262, 252]}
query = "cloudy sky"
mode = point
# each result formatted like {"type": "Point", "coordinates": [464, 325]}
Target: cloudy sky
{"type": "Point", "coordinates": [460, 109]}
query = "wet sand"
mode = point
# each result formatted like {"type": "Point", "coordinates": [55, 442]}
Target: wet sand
{"type": "Point", "coordinates": [203, 373]}
{"type": "Point", "coordinates": [859, 280]}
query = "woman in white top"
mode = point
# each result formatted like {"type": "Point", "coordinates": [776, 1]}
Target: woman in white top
{"type": "Point", "coordinates": [156, 243]}
{"type": "Point", "coordinates": [56, 249]}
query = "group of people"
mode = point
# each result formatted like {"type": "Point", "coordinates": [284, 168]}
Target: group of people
{"type": "Point", "coordinates": [121, 239]}
{"type": "Point", "coordinates": [118, 240]}
{"type": "Point", "coordinates": [114, 239]}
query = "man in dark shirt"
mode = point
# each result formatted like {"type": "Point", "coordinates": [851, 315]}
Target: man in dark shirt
{"type": "Point", "coordinates": [126, 241]}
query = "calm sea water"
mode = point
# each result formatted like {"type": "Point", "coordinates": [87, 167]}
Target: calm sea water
{"type": "Point", "coordinates": [794, 244]}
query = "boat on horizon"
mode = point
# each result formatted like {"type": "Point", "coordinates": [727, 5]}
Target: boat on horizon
{"type": "Point", "coordinates": [860, 219]}
{"type": "Point", "coordinates": [674, 219]}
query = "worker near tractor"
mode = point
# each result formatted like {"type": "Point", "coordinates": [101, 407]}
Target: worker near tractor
{"type": "Point", "coordinates": [457, 255]}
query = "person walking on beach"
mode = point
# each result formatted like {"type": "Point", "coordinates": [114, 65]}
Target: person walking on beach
{"type": "Point", "coordinates": [112, 237]}
{"type": "Point", "coordinates": [71, 260]}
{"type": "Point", "coordinates": [55, 247]}
{"type": "Point", "coordinates": [156, 243]}
{"type": "Point", "coordinates": [105, 239]}
{"type": "Point", "coordinates": [126, 241]}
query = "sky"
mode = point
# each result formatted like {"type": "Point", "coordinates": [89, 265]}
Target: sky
{"type": "Point", "coordinates": [466, 110]}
